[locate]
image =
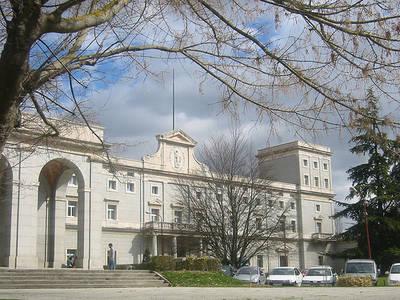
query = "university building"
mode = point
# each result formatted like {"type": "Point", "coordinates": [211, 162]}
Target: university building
{"type": "Point", "coordinates": [59, 197]}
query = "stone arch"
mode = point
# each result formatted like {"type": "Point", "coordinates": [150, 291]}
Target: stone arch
{"type": "Point", "coordinates": [6, 188]}
{"type": "Point", "coordinates": [52, 208]}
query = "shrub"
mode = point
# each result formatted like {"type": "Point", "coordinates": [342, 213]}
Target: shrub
{"type": "Point", "coordinates": [163, 263]}
{"type": "Point", "coordinates": [213, 264]}
{"type": "Point", "coordinates": [354, 281]}
{"type": "Point", "coordinates": [202, 263]}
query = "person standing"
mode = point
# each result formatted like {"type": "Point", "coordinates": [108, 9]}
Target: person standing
{"type": "Point", "coordinates": [111, 257]}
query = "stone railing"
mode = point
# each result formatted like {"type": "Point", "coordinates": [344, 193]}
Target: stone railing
{"type": "Point", "coordinates": [322, 236]}
{"type": "Point", "coordinates": [167, 227]}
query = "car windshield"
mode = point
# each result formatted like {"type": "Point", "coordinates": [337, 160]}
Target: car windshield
{"type": "Point", "coordinates": [282, 272]}
{"type": "Point", "coordinates": [247, 270]}
{"type": "Point", "coordinates": [395, 269]}
{"type": "Point", "coordinates": [319, 272]}
{"type": "Point", "coordinates": [360, 267]}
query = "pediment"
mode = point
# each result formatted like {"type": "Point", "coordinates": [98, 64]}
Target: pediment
{"type": "Point", "coordinates": [177, 137]}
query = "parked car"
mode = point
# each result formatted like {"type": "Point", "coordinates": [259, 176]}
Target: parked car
{"type": "Point", "coordinates": [321, 275]}
{"type": "Point", "coordinates": [285, 276]}
{"type": "Point", "coordinates": [228, 270]}
{"type": "Point", "coordinates": [394, 274]}
{"type": "Point", "coordinates": [251, 275]}
{"type": "Point", "coordinates": [361, 268]}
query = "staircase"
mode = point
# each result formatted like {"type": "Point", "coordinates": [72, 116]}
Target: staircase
{"type": "Point", "coordinates": [77, 278]}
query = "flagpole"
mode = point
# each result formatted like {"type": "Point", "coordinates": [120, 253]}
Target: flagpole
{"type": "Point", "coordinates": [173, 99]}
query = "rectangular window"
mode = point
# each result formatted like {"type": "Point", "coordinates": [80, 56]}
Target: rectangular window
{"type": "Point", "coordinates": [326, 183]}
{"type": "Point", "coordinates": [155, 214]}
{"type": "Point", "coordinates": [258, 223]}
{"type": "Point", "coordinates": [72, 209]}
{"type": "Point", "coordinates": [320, 260]}
{"type": "Point", "coordinates": [260, 261]}
{"type": "Point", "coordinates": [112, 185]}
{"type": "Point", "coordinates": [281, 204]}
{"type": "Point", "coordinates": [198, 195]}
{"type": "Point", "coordinates": [315, 165]}
{"type": "Point", "coordinates": [130, 174]}
{"type": "Point", "coordinates": [293, 225]}
{"type": "Point", "coordinates": [178, 216]}
{"type": "Point", "coordinates": [318, 207]}
{"type": "Point", "coordinates": [318, 227]}
{"type": "Point", "coordinates": [306, 181]}
{"type": "Point", "coordinates": [111, 212]}
{"type": "Point", "coordinates": [218, 196]}
{"type": "Point", "coordinates": [283, 261]}
{"type": "Point", "coordinates": [316, 181]}
{"type": "Point", "coordinates": [258, 201]}
{"type": "Point", "coordinates": [282, 225]}
{"type": "Point", "coordinates": [270, 203]}
{"type": "Point", "coordinates": [292, 205]}
{"type": "Point", "coordinates": [73, 181]}
{"type": "Point", "coordinates": [305, 162]}
{"type": "Point", "coordinates": [154, 190]}
{"type": "Point", "coordinates": [325, 166]}
{"type": "Point", "coordinates": [130, 187]}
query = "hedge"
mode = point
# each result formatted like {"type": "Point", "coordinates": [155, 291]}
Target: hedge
{"type": "Point", "coordinates": [191, 263]}
{"type": "Point", "coordinates": [354, 281]}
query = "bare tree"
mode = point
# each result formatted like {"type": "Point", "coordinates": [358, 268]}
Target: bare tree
{"type": "Point", "coordinates": [236, 213]}
{"type": "Point", "coordinates": [333, 50]}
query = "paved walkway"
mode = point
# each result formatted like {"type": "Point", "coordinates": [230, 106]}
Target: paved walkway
{"type": "Point", "coordinates": [283, 293]}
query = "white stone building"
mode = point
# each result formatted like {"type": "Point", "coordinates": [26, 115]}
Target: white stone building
{"type": "Point", "coordinates": [59, 197]}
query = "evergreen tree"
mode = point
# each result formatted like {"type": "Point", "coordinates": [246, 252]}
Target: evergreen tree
{"type": "Point", "coordinates": [375, 191]}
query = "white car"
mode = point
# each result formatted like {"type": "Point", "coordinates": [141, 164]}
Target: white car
{"type": "Point", "coordinates": [321, 275]}
{"type": "Point", "coordinates": [250, 275]}
{"type": "Point", "coordinates": [394, 275]}
{"type": "Point", "coordinates": [285, 276]}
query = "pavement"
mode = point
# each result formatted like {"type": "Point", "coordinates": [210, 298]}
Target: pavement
{"type": "Point", "coordinates": [167, 293]}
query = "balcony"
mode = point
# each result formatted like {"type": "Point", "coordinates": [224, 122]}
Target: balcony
{"type": "Point", "coordinates": [319, 236]}
{"type": "Point", "coordinates": [167, 227]}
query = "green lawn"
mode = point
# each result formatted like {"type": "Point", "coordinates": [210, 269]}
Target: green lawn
{"type": "Point", "coordinates": [198, 278]}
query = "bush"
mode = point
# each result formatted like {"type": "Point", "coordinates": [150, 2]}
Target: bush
{"type": "Point", "coordinates": [213, 264]}
{"type": "Point", "coordinates": [163, 263]}
{"type": "Point", "coordinates": [354, 281]}
{"type": "Point", "coordinates": [202, 263]}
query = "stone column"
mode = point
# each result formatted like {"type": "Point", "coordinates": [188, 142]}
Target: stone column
{"type": "Point", "coordinates": [59, 232]}
{"type": "Point", "coordinates": [83, 228]}
{"type": "Point", "coordinates": [174, 247]}
{"type": "Point", "coordinates": [201, 246]}
{"type": "Point", "coordinates": [155, 246]}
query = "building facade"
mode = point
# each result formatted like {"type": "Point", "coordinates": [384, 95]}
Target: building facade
{"type": "Point", "coordinates": [59, 197]}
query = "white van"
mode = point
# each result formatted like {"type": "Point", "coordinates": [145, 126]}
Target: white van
{"type": "Point", "coordinates": [361, 268]}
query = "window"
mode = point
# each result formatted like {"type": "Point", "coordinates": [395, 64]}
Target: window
{"type": "Point", "coordinates": [326, 183]}
{"type": "Point", "coordinates": [198, 195]}
{"type": "Point", "coordinates": [318, 227]}
{"type": "Point", "coordinates": [320, 260]}
{"type": "Point", "coordinates": [130, 187]}
{"type": "Point", "coordinates": [130, 174]}
{"type": "Point", "coordinates": [318, 207]}
{"type": "Point", "coordinates": [283, 261]}
{"type": "Point", "coordinates": [154, 190]}
{"type": "Point", "coordinates": [112, 185]}
{"type": "Point", "coordinates": [73, 181]}
{"type": "Point", "coordinates": [270, 203]}
{"type": "Point", "coordinates": [315, 164]}
{"type": "Point", "coordinates": [293, 225]}
{"type": "Point", "coordinates": [258, 223]}
{"type": "Point", "coordinates": [292, 205]}
{"type": "Point", "coordinates": [325, 166]}
{"type": "Point", "coordinates": [316, 181]}
{"type": "Point", "coordinates": [178, 216]}
{"type": "Point", "coordinates": [111, 212]}
{"type": "Point", "coordinates": [282, 225]}
{"type": "Point", "coordinates": [260, 261]}
{"type": "Point", "coordinates": [155, 214]}
{"type": "Point", "coordinates": [281, 204]}
{"type": "Point", "coordinates": [306, 181]}
{"type": "Point", "coordinates": [305, 162]}
{"type": "Point", "coordinates": [258, 201]}
{"type": "Point", "coordinates": [72, 209]}
{"type": "Point", "coordinates": [246, 200]}
{"type": "Point", "coordinates": [218, 196]}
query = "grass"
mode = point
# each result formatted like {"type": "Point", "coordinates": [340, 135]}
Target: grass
{"type": "Point", "coordinates": [382, 281]}
{"type": "Point", "coordinates": [201, 279]}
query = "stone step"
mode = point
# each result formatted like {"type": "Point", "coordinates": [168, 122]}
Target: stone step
{"type": "Point", "coordinates": [68, 285]}
{"type": "Point", "coordinates": [77, 274]}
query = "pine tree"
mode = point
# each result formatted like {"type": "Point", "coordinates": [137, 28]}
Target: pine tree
{"type": "Point", "coordinates": [375, 193]}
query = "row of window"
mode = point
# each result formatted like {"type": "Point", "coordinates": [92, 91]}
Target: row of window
{"type": "Point", "coordinates": [315, 164]}
{"type": "Point", "coordinates": [316, 181]}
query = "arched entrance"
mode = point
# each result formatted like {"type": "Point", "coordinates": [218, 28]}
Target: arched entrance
{"type": "Point", "coordinates": [6, 183]}
{"type": "Point", "coordinates": [59, 181]}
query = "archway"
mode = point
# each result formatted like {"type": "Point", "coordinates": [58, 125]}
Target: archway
{"type": "Point", "coordinates": [59, 181]}
{"type": "Point", "coordinates": [6, 183]}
